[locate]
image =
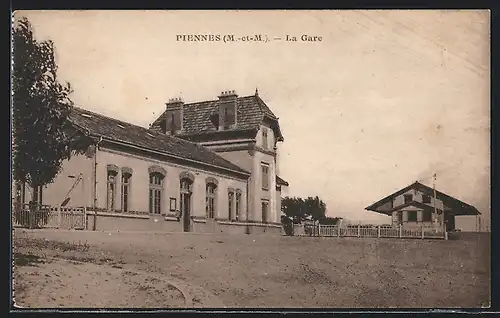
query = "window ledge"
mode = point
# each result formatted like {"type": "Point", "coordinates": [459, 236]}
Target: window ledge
{"type": "Point", "coordinates": [243, 223]}
{"type": "Point", "coordinates": [171, 218]}
{"type": "Point", "coordinates": [120, 215]}
{"type": "Point", "coordinates": [199, 221]}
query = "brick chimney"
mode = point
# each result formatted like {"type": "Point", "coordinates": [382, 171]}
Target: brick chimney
{"type": "Point", "coordinates": [173, 120]}
{"type": "Point", "coordinates": [227, 110]}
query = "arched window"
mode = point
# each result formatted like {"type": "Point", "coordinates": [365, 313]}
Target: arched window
{"type": "Point", "coordinates": [155, 192]}
{"type": "Point", "coordinates": [186, 189]}
{"type": "Point", "coordinates": [185, 175]}
{"type": "Point", "coordinates": [186, 186]}
{"type": "Point", "coordinates": [238, 205]}
{"type": "Point", "coordinates": [211, 190]}
{"type": "Point", "coordinates": [125, 193]}
{"type": "Point", "coordinates": [230, 203]}
{"type": "Point", "coordinates": [112, 172]}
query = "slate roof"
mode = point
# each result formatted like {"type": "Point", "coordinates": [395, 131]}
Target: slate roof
{"type": "Point", "coordinates": [281, 182]}
{"type": "Point", "coordinates": [251, 111]}
{"type": "Point", "coordinates": [109, 128]}
{"type": "Point", "coordinates": [458, 207]}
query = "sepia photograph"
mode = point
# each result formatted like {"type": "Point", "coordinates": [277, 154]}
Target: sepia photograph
{"type": "Point", "coordinates": [246, 159]}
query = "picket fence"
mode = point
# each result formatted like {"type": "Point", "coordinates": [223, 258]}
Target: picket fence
{"type": "Point", "coordinates": [368, 231]}
{"type": "Point", "coordinates": [50, 217]}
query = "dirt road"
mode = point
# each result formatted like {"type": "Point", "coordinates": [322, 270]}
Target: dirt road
{"type": "Point", "coordinates": [255, 271]}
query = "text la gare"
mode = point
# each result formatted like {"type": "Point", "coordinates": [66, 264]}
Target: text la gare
{"type": "Point", "coordinates": [304, 38]}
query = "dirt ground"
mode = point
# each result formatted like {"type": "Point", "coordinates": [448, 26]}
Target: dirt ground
{"type": "Point", "coordinates": [112, 269]}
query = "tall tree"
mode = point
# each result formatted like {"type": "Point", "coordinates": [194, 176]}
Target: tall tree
{"type": "Point", "coordinates": [316, 208]}
{"type": "Point", "coordinates": [299, 209]}
{"type": "Point", "coordinates": [292, 209]}
{"type": "Point", "coordinates": [41, 106]}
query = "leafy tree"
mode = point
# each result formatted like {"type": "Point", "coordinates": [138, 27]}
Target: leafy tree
{"type": "Point", "coordinates": [315, 208]}
{"type": "Point", "coordinates": [298, 209]}
{"type": "Point", "coordinates": [41, 106]}
{"type": "Point", "coordinates": [294, 209]}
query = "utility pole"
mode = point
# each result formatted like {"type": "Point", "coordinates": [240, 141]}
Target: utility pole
{"type": "Point", "coordinates": [95, 190]}
{"type": "Point", "coordinates": [434, 190]}
{"type": "Point", "coordinates": [435, 207]}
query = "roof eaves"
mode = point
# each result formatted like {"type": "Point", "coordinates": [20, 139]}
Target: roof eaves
{"type": "Point", "coordinates": [168, 154]}
{"type": "Point", "coordinates": [216, 132]}
{"type": "Point", "coordinates": [451, 200]}
{"type": "Point", "coordinates": [385, 199]}
{"type": "Point", "coordinates": [282, 182]}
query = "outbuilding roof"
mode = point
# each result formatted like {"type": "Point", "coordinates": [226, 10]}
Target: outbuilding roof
{"type": "Point", "coordinates": [458, 207]}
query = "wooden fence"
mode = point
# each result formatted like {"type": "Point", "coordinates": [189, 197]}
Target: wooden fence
{"type": "Point", "coordinates": [50, 217]}
{"type": "Point", "coordinates": [368, 231]}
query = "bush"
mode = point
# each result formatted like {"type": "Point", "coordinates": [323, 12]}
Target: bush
{"type": "Point", "coordinates": [329, 221]}
{"type": "Point", "coordinates": [287, 225]}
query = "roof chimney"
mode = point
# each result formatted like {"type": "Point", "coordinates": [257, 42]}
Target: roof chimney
{"type": "Point", "coordinates": [173, 121]}
{"type": "Point", "coordinates": [228, 101]}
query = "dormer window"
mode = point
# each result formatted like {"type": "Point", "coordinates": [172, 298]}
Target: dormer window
{"type": "Point", "coordinates": [408, 198]}
{"type": "Point", "coordinates": [163, 126]}
{"type": "Point", "coordinates": [264, 138]}
{"type": "Point", "coordinates": [426, 198]}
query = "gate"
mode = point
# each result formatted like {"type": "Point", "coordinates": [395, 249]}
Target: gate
{"type": "Point", "coordinates": [72, 218]}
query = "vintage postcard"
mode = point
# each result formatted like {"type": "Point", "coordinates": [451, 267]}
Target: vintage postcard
{"type": "Point", "coordinates": [251, 159]}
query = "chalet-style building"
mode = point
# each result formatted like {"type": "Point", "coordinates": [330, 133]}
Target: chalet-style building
{"type": "Point", "coordinates": [415, 206]}
{"type": "Point", "coordinates": [205, 166]}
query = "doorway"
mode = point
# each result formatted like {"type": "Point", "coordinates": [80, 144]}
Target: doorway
{"type": "Point", "coordinates": [449, 220]}
{"type": "Point", "coordinates": [185, 204]}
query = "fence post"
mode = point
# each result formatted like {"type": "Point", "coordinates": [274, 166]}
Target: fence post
{"type": "Point", "coordinates": [58, 211]}
{"type": "Point", "coordinates": [359, 230]}
{"type": "Point", "coordinates": [85, 218]}
{"type": "Point", "coordinates": [400, 230]}
{"type": "Point", "coordinates": [422, 231]}
{"type": "Point", "coordinates": [319, 229]}
{"type": "Point", "coordinates": [378, 231]}
{"type": "Point", "coordinates": [338, 230]}
{"type": "Point", "coordinates": [446, 235]}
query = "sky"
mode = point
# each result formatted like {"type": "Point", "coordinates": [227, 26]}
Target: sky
{"type": "Point", "coordinates": [386, 98]}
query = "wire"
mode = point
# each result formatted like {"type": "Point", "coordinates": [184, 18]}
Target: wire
{"type": "Point", "coordinates": [469, 65]}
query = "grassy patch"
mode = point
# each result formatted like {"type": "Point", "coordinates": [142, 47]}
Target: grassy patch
{"type": "Point", "coordinates": [54, 245]}
{"type": "Point", "coordinates": [27, 260]}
